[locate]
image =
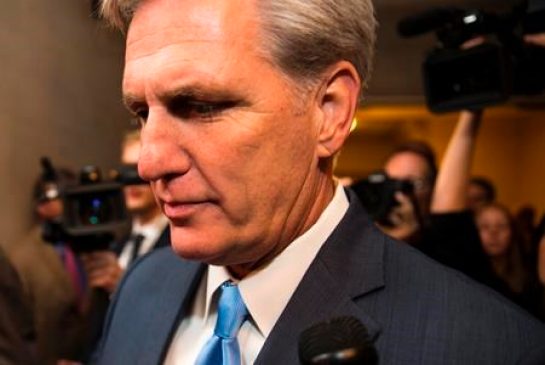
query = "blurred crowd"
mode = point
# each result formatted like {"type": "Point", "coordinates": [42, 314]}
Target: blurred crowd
{"type": "Point", "coordinates": [456, 219]}
{"type": "Point", "coordinates": [56, 290]}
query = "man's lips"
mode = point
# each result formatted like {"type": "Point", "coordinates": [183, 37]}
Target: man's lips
{"type": "Point", "coordinates": [180, 211]}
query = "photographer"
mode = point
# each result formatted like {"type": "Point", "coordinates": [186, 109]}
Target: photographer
{"type": "Point", "coordinates": [17, 333]}
{"type": "Point", "coordinates": [149, 232]}
{"type": "Point", "coordinates": [51, 274]}
{"type": "Point", "coordinates": [149, 228]}
{"type": "Point", "coordinates": [436, 211]}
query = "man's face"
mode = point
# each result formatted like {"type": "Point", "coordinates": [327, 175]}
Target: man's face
{"type": "Point", "coordinates": [410, 166]}
{"type": "Point", "coordinates": [49, 210]}
{"type": "Point", "coordinates": [228, 147]}
{"type": "Point", "coordinates": [138, 198]}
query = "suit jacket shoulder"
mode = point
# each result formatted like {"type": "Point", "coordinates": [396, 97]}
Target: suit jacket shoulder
{"type": "Point", "coordinates": [418, 311]}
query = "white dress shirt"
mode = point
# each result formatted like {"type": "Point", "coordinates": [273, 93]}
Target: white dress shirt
{"type": "Point", "coordinates": [151, 232]}
{"type": "Point", "coordinates": [265, 292]}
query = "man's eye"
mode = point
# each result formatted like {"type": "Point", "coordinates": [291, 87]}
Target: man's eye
{"type": "Point", "coordinates": [142, 116]}
{"type": "Point", "coordinates": [205, 108]}
{"type": "Point", "coordinates": [198, 109]}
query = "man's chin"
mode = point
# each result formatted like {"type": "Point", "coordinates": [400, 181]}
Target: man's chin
{"type": "Point", "coordinates": [192, 250]}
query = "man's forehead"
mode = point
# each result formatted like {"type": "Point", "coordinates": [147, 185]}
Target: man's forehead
{"type": "Point", "coordinates": [189, 20]}
{"type": "Point", "coordinates": [190, 41]}
{"type": "Point", "coordinates": [408, 164]}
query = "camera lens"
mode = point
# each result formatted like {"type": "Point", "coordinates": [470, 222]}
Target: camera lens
{"type": "Point", "coordinates": [94, 210]}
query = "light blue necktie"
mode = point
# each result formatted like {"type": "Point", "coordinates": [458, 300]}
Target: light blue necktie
{"type": "Point", "coordinates": [222, 348]}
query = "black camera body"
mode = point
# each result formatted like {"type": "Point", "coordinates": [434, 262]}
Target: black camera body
{"type": "Point", "coordinates": [94, 211]}
{"type": "Point", "coordinates": [483, 75]}
{"type": "Point", "coordinates": [377, 195]}
{"type": "Point", "coordinates": [95, 214]}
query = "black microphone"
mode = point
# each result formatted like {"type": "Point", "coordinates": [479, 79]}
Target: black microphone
{"type": "Point", "coordinates": [338, 341]}
{"type": "Point", "coordinates": [426, 21]}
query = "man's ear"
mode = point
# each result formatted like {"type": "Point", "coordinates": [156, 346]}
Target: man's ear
{"type": "Point", "coordinates": [337, 102]}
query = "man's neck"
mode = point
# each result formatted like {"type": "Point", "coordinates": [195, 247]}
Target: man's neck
{"type": "Point", "coordinates": [315, 208]}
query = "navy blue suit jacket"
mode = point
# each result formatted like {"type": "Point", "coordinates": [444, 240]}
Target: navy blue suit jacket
{"type": "Point", "coordinates": [418, 311]}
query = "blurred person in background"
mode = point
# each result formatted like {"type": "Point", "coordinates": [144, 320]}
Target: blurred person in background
{"type": "Point", "coordinates": [480, 191]}
{"type": "Point", "coordinates": [149, 231]}
{"type": "Point", "coordinates": [539, 238]}
{"type": "Point", "coordinates": [51, 274]}
{"type": "Point", "coordinates": [541, 260]}
{"type": "Point", "coordinates": [17, 333]}
{"type": "Point", "coordinates": [538, 39]}
{"type": "Point", "coordinates": [434, 217]}
{"type": "Point", "coordinates": [413, 161]}
{"type": "Point", "coordinates": [503, 244]}
{"type": "Point", "coordinates": [525, 220]}
{"type": "Point", "coordinates": [149, 228]}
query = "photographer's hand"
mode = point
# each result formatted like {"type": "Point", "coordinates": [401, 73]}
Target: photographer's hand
{"type": "Point", "coordinates": [103, 270]}
{"type": "Point", "coordinates": [404, 219]}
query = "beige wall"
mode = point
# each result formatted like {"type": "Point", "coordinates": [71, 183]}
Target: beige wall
{"type": "Point", "coordinates": [510, 147]}
{"type": "Point", "coordinates": [59, 96]}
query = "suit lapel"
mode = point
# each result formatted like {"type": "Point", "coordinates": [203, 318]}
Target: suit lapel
{"type": "Point", "coordinates": [160, 332]}
{"type": "Point", "coordinates": [162, 302]}
{"type": "Point", "coordinates": [348, 266]}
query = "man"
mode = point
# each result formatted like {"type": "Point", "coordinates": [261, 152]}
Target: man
{"type": "Point", "coordinates": [51, 275]}
{"type": "Point", "coordinates": [480, 192]}
{"type": "Point", "coordinates": [435, 218]}
{"type": "Point", "coordinates": [149, 228]}
{"type": "Point", "coordinates": [149, 232]}
{"type": "Point", "coordinates": [415, 162]}
{"type": "Point", "coordinates": [149, 225]}
{"type": "Point", "coordinates": [244, 105]}
{"type": "Point", "coordinates": [17, 333]}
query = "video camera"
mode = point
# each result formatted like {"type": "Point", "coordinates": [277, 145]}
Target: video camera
{"type": "Point", "coordinates": [94, 213]}
{"type": "Point", "coordinates": [377, 195]}
{"type": "Point", "coordinates": [488, 73]}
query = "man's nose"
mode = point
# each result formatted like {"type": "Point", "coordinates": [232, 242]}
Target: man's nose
{"type": "Point", "coordinates": [161, 153]}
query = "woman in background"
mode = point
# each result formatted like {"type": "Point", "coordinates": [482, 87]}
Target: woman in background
{"type": "Point", "coordinates": [502, 244]}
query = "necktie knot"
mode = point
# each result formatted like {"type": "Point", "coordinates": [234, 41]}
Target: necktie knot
{"type": "Point", "coordinates": [231, 311]}
{"type": "Point", "coordinates": [223, 347]}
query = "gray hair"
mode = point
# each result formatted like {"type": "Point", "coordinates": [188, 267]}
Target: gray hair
{"type": "Point", "coordinates": [303, 37]}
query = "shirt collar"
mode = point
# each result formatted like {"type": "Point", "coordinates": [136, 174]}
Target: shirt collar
{"type": "Point", "coordinates": [152, 228]}
{"type": "Point", "coordinates": [278, 280]}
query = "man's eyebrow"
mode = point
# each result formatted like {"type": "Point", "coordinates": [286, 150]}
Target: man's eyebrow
{"type": "Point", "coordinates": [184, 93]}
{"type": "Point", "coordinates": [132, 101]}
{"type": "Point", "coordinates": [197, 92]}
